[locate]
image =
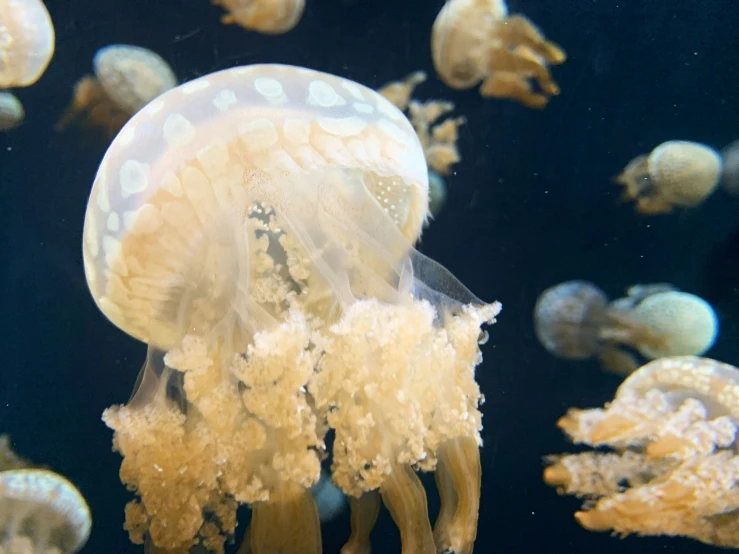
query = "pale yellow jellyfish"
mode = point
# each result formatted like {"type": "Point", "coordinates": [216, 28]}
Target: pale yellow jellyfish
{"type": "Point", "coordinates": [255, 228]}
{"type": "Point", "coordinates": [126, 79]}
{"type": "Point", "coordinates": [476, 40]}
{"type": "Point", "coordinates": [265, 16]}
{"type": "Point", "coordinates": [676, 173]}
{"type": "Point", "coordinates": [8, 458]}
{"type": "Point", "coordinates": [574, 320]}
{"type": "Point", "coordinates": [438, 136]}
{"type": "Point", "coordinates": [26, 42]}
{"type": "Point", "coordinates": [11, 111]}
{"type": "Point", "coordinates": [730, 175]}
{"type": "Point", "coordinates": [672, 467]}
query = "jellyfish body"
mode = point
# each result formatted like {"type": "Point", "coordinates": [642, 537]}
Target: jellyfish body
{"type": "Point", "coordinates": [255, 227]}
{"type": "Point", "coordinates": [675, 174]}
{"type": "Point", "coordinates": [27, 42]}
{"type": "Point", "coordinates": [11, 111]}
{"type": "Point", "coordinates": [476, 40]}
{"type": "Point", "coordinates": [730, 175]}
{"type": "Point", "coordinates": [41, 512]}
{"type": "Point", "coordinates": [666, 462]}
{"type": "Point", "coordinates": [574, 320]}
{"type": "Point", "coordinates": [126, 79]}
{"type": "Point", "coordinates": [265, 16]}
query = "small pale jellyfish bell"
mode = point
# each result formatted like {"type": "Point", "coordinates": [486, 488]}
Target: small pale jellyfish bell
{"type": "Point", "coordinates": [574, 320]}
{"type": "Point", "coordinates": [11, 111]}
{"type": "Point", "coordinates": [677, 173]}
{"type": "Point", "coordinates": [126, 78]}
{"type": "Point", "coordinates": [477, 40]}
{"type": "Point", "coordinates": [730, 175]}
{"type": "Point", "coordinates": [26, 43]}
{"type": "Point", "coordinates": [270, 17]}
{"type": "Point", "coordinates": [255, 227]}
{"type": "Point", "coordinates": [666, 461]}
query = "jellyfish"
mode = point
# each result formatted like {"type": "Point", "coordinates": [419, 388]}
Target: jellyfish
{"type": "Point", "coordinates": [272, 17]}
{"type": "Point", "coordinates": [126, 79]}
{"type": "Point", "coordinates": [11, 111]}
{"type": "Point", "coordinates": [40, 511]}
{"type": "Point", "coordinates": [676, 173]}
{"type": "Point", "coordinates": [476, 40]}
{"type": "Point", "coordinates": [730, 176]}
{"type": "Point", "coordinates": [27, 42]}
{"type": "Point", "coordinates": [437, 193]}
{"type": "Point", "coordinates": [670, 467]}
{"type": "Point", "coordinates": [255, 228]}
{"type": "Point", "coordinates": [438, 138]}
{"type": "Point", "coordinates": [574, 320]}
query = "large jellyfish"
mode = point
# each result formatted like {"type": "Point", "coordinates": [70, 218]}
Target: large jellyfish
{"type": "Point", "coordinates": [126, 79]}
{"type": "Point", "coordinates": [670, 467]}
{"type": "Point", "coordinates": [26, 42]}
{"type": "Point", "coordinates": [255, 228]}
{"type": "Point", "coordinates": [476, 40]}
{"type": "Point", "coordinates": [676, 173]}
{"type": "Point", "coordinates": [574, 320]}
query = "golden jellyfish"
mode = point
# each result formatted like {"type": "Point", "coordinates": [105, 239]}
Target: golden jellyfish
{"type": "Point", "coordinates": [438, 137]}
{"type": "Point", "coordinates": [574, 320]}
{"type": "Point", "coordinates": [255, 227]}
{"type": "Point", "coordinates": [677, 173]}
{"type": "Point", "coordinates": [126, 78]}
{"type": "Point", "coordinates": [27, 42]}
{"type": "Point", "coordinates": [477, 40]}
{"type": "Point", "coordinates": [40, 511]}
{"type": "Point", "coordinates": [11, 111]}
{"type": "Point", "coordinates": [667, 459]}
{"type": "Point", "coordinates": [730, 175]}
{"type": "Point", "coordinates": [271, 17]}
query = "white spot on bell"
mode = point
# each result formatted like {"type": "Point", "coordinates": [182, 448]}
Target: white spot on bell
{"type": "Point", "coordinates": [134, 177]}
{"type": "Point", "coordinates": [224, 99]}
{"type": "Point", "coordinates": [361, 107]}
{"type": "Point", "coordinates": [178, 130]}
{"type": "Point", "coordinates": [114, 222]}
{"type": "Point", "coordinates": [269, 88]}
{"type": "Point", "coordinates": [323, 94]}
{"type": "Point", "coordinates": [195, 86]}
{"type": "Point", "coordinates": [342, 126]}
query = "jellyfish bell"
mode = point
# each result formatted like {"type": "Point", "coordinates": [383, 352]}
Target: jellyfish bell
{"type": "Point", "coordinates": [255, 227]}
{"type": "Point", "coordinates": [28, 42]}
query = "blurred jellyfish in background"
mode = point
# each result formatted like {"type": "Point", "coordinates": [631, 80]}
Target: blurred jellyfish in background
{"type": "Point", "coordinates": [40, 511]}
{"type": "Point", "coordinates": [11, 111]}
{"type": "Point", "coordinates": [126, 79]}
{"type": "Point", "coordinates": [476, 40]}
{"type": "Point", "coordinates": [438, 139]}
{"type": "Point", "coordinates": [730, 175]}
{"type": "Point", "coordinates": [255, 227]}
{"type": "Point", "coordinates": [676, 173]}
{"type": "Point", "coordinates": [330, 501]}
{"type": "Point", "coordinates": [667, 459]}
{"type": "Point", "coordinates": [271, 17]}
{"type": "Point", "coordinates": [574, 320]}
{"type": "Point", "coordinates": [27, 43]}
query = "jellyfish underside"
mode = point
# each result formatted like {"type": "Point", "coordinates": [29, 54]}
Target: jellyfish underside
{"type": "Point", "coordinates": [314, 305]}
{"type": "Point", "coordinates": [93, 109]}
{"type": "Point", "coordinates": [666, 462]}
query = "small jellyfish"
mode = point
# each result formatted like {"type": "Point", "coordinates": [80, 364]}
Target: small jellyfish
{"type": "Point", "coordinates": [476, 40]}
{"type": "Point", "coordinates": [574, 320]}
{"type": "Point", "coordinates": [272, 17]}
{"type": "Point", "coordinates": [438, 138]}
{"type": "Point", "coordinates": [676, 173]}
{"type": "Point", "coordinates": [126, 79]}
{"type": "Point", "coordinates": [666, 462]}
{"type": "Point", "coordinates": [40, 512]}
{"type": "Point", "coordinates": [11, 111]}
{"type": "Point", "coordinates": [26, 42]}
{"type": "Point", "coordinates": [437, 193]}
{"type": "Point", "coordinates": [256, 227]}
{"type": "Point", "coordinates": [730, 175]}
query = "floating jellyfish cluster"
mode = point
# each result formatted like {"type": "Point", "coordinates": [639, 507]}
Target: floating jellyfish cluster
{"type": "Point", "coordinates": [256, 228]}
{"type": "Point", "coordinates": [40, 511]}
{"type": "Point", "coordinates": [666, 462]}
{"type": "Point", "coordinates": [574, 320]}
{"type": "Point", "coordinates": [301, 194]}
